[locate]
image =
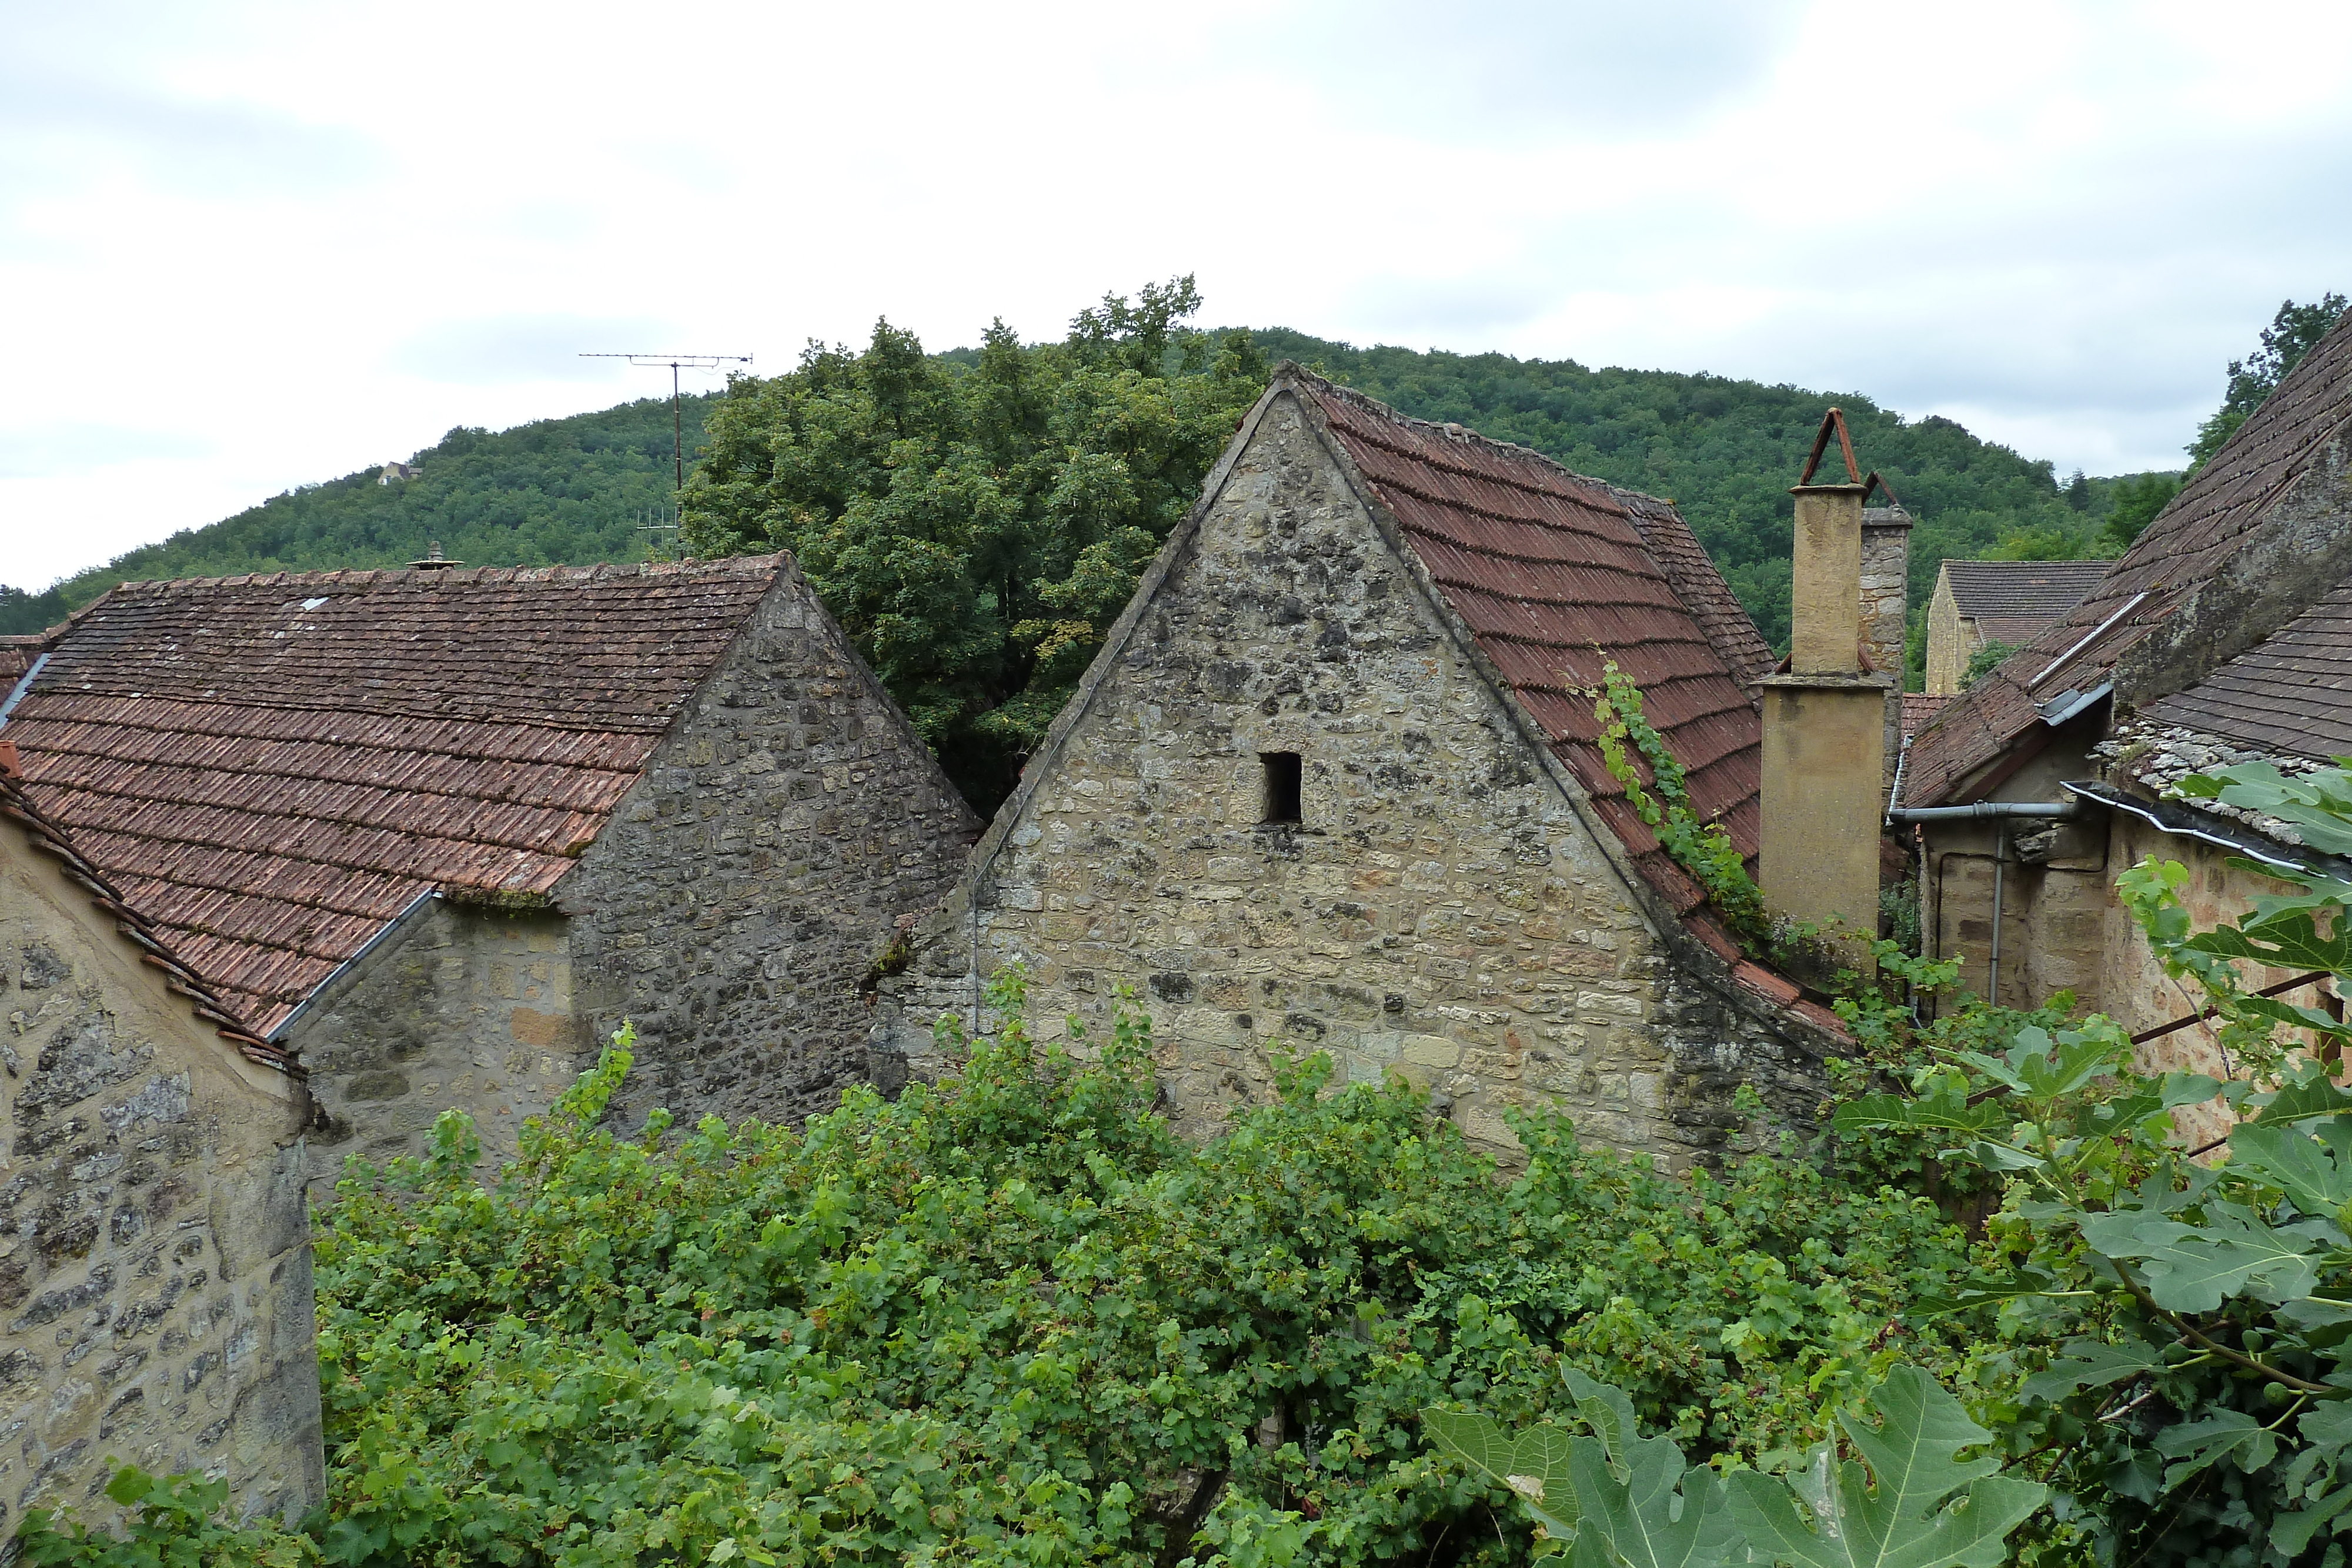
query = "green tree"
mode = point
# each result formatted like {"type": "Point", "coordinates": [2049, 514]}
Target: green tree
{"type": "Point", "coordinates": [570, 491]}
{"type": "Point", "coordinates": [1984, 662]}
{"type": "Point", "coordinates": [22, 611]}
{"type": "Point", "coordinates": [978, 520]}
{"type": "Point", "coordinates": [2293, 333]}
{"type": "Point", "coordinates": [2135, 500]}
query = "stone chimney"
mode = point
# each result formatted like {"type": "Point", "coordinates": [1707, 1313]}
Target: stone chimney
{"type": "Point", "coordinates": [1825, 726]}
{"type": "Point", "coordinates": [1885, 607]}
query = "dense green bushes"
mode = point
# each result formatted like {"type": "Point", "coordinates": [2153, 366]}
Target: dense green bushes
{"type": "Point", "coordinates": [1014, 1318]}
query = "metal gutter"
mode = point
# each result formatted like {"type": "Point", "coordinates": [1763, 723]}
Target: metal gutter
{"type": "Point", "coordinates": [337, 972]}
{"type": "Point", "coordinates": [1894, 791]}
{"type": "Point", "coordinates": [24, 685]}
{"type": "Point", "coordinates": [2183, 821]}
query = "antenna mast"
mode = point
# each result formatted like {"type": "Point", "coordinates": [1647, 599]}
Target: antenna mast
{"type": "Point", "coordinates": [678, 362]}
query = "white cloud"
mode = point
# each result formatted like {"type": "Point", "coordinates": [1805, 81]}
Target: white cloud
{"type": "Point", "coordinates": [255, 244]}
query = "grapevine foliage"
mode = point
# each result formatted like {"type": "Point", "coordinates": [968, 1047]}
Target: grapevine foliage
{"type": "Point", "coordinates": [1012, 1317]}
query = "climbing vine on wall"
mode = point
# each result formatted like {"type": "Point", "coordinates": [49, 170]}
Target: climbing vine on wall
{"type": "Point", "coordinates": [1700, 847]}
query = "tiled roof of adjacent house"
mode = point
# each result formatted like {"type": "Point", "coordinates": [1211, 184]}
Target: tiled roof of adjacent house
{"type": "Point", "coordinates": [2291, 694]}
{"type": "Point", "coordinates": [1554, 574]}
{"type": "Point", "coordinates": [1920, 711]}
{"type": "Point", "coordinates": [2188, 545]}
{"type": "Point", "coordinates": [2020, 596]}
{"type": "Point", "coordinates": [271, 768]}
{"type": "Point", "coordinates": [203, 997]}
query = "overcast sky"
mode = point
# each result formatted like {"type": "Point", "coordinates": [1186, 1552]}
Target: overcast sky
{"type": "Point", "coordinates": [244, 246]}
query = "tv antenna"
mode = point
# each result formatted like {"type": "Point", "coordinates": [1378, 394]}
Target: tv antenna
{"type": "Point", "coordinates": [678, 362]}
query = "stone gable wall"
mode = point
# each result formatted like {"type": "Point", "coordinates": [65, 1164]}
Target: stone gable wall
{"type": "Point", "coordinates": [748, 882]}
{"type": "Point", "coordinates": [1440, 912]}
{"type": "Point", "coordinates": [1951, 642]}
{"type": "Point", "coordinates": [461, 1008]}
{"type": "Point", "coordinates": [154, 1247]}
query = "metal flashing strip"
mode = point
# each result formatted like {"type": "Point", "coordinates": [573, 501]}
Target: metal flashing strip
{"type": "Point", "coordinates": [24, 685]}
{"type": "Point", "coordinates": [2096, 632]}
{"type": "Point", "coordinates": [337, 972]}
{"type": "Point", "coordinates": [2066, 704]}
{"type": "Point", "coordinates": [2187, 822]}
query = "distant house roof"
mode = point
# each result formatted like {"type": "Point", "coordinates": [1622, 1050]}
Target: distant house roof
{"type": "Point", "coordinates": [272, 768]}
{"type": "Point", "coordinates": [2015, 600]}
{"type": "Point", "coordinates": [2190, 545]}
{"type": "Point", "coordinates": [206, 999]}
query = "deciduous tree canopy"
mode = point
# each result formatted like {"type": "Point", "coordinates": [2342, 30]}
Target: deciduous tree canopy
{"type": "Point", "coordinates": [978, 521]}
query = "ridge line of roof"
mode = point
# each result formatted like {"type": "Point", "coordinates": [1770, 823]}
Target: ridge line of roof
{"type": "Point", "coordinates": [748, 567]}
{"type": "Point", "coordinates": [1450, 431]}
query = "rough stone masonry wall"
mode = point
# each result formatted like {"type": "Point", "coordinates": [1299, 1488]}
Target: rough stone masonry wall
{"type": "Point", "coordinates": [1885, 597]}
{"type": "Point", "coordinates": [737, 900]}
{"type": "Point", "coordinates": [461, 1008]}
{"type": "Point", "coordinates": [1951, 642]}
{"type": "Point", "coordinates": [1440, 912]}
{"type": "Point", "coordinates": [155, 1276]}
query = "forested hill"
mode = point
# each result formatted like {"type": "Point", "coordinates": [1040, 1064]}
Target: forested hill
{"type": "Point", "coordinates": [576, 489]}
{"type": "Point", "coordinates": [1727, 451]}
{"type": "Point", "coordinates": [569, 490]}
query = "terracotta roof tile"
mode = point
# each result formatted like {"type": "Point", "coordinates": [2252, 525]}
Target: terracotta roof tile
{"type": "Point", "coordinates": [1554, 574]}
{"type": "Point", "coordinates": [2188, 545]}
{"type": "Point", "coordinates": [184, 969]}
{"type": "Point", "coordinates": [1919, 710]}
{"type": "Point", "coordinates": [272, 768]}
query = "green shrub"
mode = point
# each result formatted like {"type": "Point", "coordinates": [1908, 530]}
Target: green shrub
{"type": "Point", "coordinates": [1013, 1317]}
{"type": "Point", "coordinates": [175, 1521]}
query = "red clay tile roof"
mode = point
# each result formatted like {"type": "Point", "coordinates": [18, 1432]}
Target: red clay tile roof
{"type": "Point", "coordinates": [2291, 694]}
{"type": "Point", "coordinates": [2188, 544]}
{"type": "Point", "coordinates": [1555, 573]}
{"type": "Point", "coordinates": [1919, 710]}
{"type": "Point", "coordinates": [204, 998]}
{"type": "Point", "coordinates": [272, 768]}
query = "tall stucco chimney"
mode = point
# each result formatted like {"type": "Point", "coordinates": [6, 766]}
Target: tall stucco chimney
{"type": "Point", "coordinates": [1825, 723]}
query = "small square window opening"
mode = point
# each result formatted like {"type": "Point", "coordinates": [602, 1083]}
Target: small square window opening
{"type": "Point", "coordinates": [1281, 776]}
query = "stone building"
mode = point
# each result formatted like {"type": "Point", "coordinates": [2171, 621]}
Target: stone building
{"type": "Point", "coordinates": [154, 1244]}
{"type": "Point", "coordinates": [1978, 603]}
{"type": "Point", "coordinates": [2224, 634]}
{"type": "Point", "coordinates": [1334, 781]}
{"type": "Point", "coordinates": [440, 832]}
